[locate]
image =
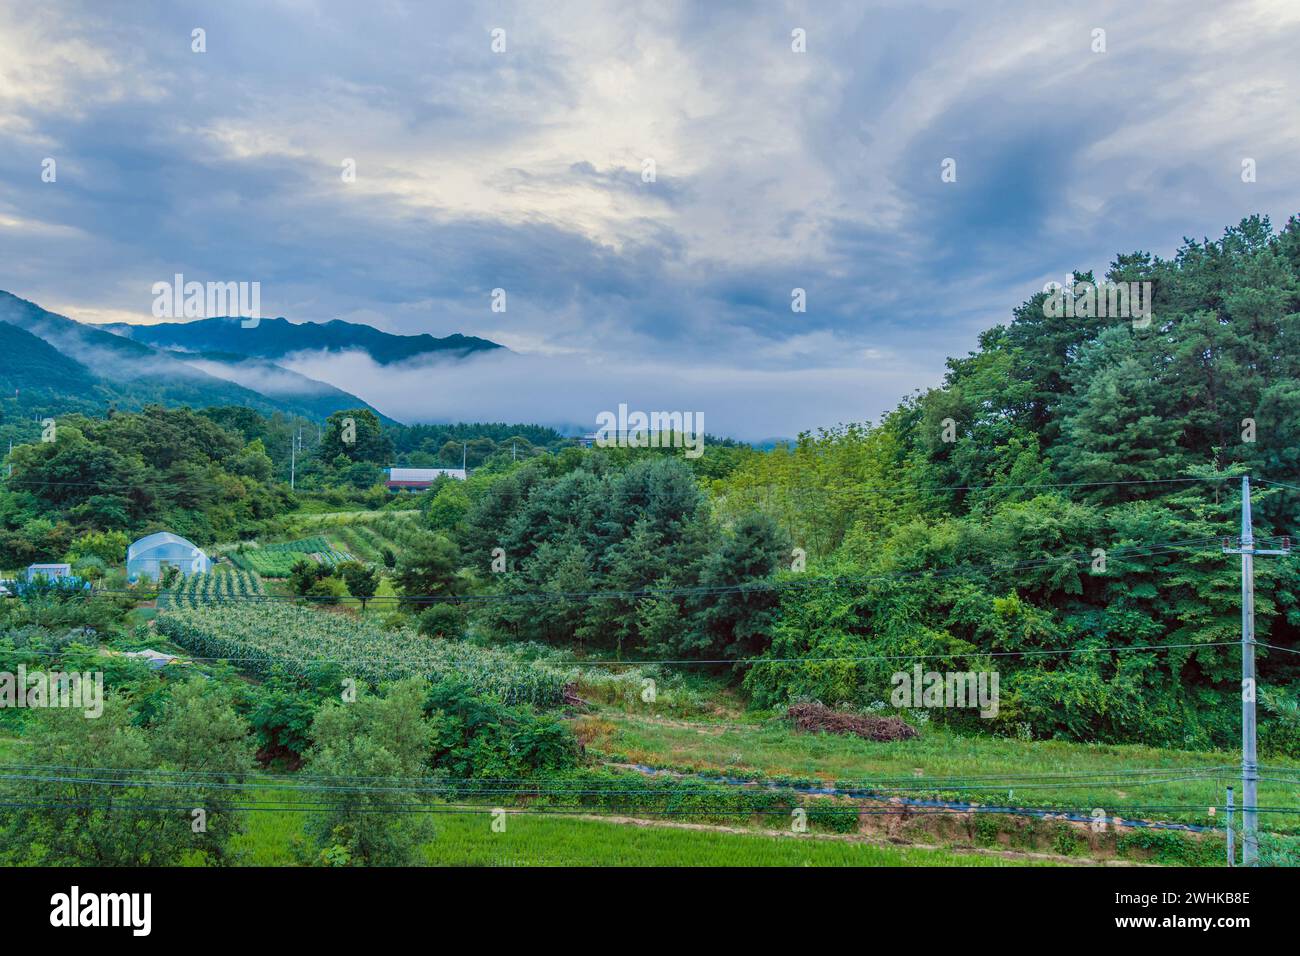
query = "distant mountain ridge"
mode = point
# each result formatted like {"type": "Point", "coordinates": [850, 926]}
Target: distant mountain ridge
{"type": "Point", "coordinates": [277, 338]}
{"type": "Point", "coordinates": [51, 364]}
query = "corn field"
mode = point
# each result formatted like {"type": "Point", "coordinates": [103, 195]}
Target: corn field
{"type": "Point", "coordinates": [260, 637]}
{"type": "Point", "coordinates": [214, 587]}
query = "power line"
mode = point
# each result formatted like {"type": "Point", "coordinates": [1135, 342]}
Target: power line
{"type": "Point", "coordinates": [1275, 647]}
{"type": "Point", "coordinates": [164, 481]}
{"type": "Point", "coordinates": [433, 786]}
{"type": "Point", "coordinates": [813, 581]}
{"type": "Point", "coordinates": [649, 662]}
{"type": "Point", "coordinates": [533, 780]}
{"type": "Point", "coordinates": [1283, 484]}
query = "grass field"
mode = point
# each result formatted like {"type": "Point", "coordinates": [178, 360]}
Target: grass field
{"type": "Point", "coordinates": [1103, 775]}
{"type": "Point", "coordinates": [1130, 781]}
{"type": "Point", "coordinates": [466, 839]}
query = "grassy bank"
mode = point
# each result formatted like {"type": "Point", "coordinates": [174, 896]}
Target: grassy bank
{"type": "Point", "coordinates": [939, 763]}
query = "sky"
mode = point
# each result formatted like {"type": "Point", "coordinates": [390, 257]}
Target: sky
{"type": "Point", "coordinates": [526, 169]}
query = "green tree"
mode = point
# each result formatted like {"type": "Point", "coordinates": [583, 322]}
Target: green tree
{"type": "Point", "coordinates": [362, 580]}
{"type": "Point", "coordinates": [739, 623]}
{"type": "Point", "coordinates": [448, 507]}
{"type": "Point", "coordinates": [109, 546]}
{"type": "Point", "coordinates": [429, 567]}
{"type": "Point", "coordinates": [70, 821]}
{"type": "Point", "coordinates": [354, 747]}
{"type": "Point", "coordinates": [357, 435]}
{"type": "Point", "coordinates": [201, 735]}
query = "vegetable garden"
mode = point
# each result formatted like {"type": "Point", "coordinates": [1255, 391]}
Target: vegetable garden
{"type": "Point", "coordinates": [212, 588]}
{"type": "Point", "coordinates": [277, 560]}
{"type": "Point", "coordinates": [263, 637]}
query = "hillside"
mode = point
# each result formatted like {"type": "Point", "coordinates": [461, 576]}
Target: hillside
{"type": "Point", "coordinates": [86, 364]}
{"type": "Point", "coordinates": [34, 374]}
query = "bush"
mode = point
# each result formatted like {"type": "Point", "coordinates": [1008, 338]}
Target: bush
{"type": "Point", "coordinates": [1279, 733]}
{"type": "Point", "coordinates": [1278, 850]}
{"type": "Point", "coordinates": [1170, 847]}
{"type": "Point", "coordinates": [835, 818]}
{"type": "Point", "coordinates": [442, 620]}
{"type": "Point", "coordinates": [328, 590]}
{"type": "Point", "coordinates": [480, 737]}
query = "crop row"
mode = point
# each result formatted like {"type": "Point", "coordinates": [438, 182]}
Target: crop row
{"type": "Point", "coordinates": [269, 564]}
{"type": "Point", "coordinates": [260, 638]}
{"type": "Point", "coordinates": [301, 546]}
{"type": "Point", "coordinates": [279, 564]}
{"type": "Point", "coordinates": [225, 584]}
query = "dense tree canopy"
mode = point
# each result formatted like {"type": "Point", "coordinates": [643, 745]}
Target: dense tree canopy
{"type": "Point", "coordinates": [133, 473]}
{"type": "Point", "coordinates": [1071, 437]}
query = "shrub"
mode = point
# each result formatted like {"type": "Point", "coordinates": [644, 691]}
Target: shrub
{"type": "Point", "coordinates": [442, 620]}
{"type": "Point", "coordinates": [1280, 732]}
{"type": "Point", "coordinates": [477, 736]}
{"type": "Point", "coordinates": [833, 817]}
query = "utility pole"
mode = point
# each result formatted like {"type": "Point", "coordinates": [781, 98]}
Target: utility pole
{"type": "Point", "coordinates": [294, 439]}
{"type": "Point", "coordinates": [1232, 855]}
{"type": "Point", "coordinates": [1249, 763]}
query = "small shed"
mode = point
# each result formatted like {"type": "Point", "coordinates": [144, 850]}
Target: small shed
{"type": "Point", "coordinates": [151, 555]}
{"type": "Point", "coordinates": [51, 572]}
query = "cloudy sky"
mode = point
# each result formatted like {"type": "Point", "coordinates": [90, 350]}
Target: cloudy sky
{"type": "Point", "coordinates": [523, 170]}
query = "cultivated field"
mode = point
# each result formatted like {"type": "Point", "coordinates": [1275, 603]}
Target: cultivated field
{"type": "Point", "coordinates": [263, 637]}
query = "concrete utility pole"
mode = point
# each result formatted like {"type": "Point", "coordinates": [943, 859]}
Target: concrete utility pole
{"type": "Point", "coordinates": [1232, 855]}
{"type": "Point", "coordinates": [1249, 763]}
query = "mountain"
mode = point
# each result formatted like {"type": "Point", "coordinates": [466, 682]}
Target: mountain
{"type": "Point", "coordinates": [36, 375]}
{"type": "Point", "coordinates": [276, 338]}
{"type": "Point", "coordinates": [58, 365]}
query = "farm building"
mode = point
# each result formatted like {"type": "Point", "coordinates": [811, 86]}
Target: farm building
{"type": "Point", "coordinates": [420, 478]}
{"type": "Point", "coordinates": [150, 555]}
{"type": "Point", "coordinates": [51, 572]}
